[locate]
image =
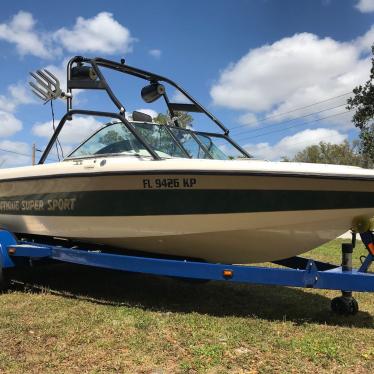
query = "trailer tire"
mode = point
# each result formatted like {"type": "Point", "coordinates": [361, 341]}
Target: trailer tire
{"type": "Point", "coordinates": [346, 306]}
{"type": "Point", "coordinates": [4, 283]}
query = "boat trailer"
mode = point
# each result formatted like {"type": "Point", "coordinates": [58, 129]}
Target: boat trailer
{"type": "Point", "coordinates": [297, 271]}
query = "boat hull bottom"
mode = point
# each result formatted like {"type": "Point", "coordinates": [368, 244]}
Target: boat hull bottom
{"type": "Point", "coordinates": [224, 238]}
{"type": "Point", "coordinates": [240, 247]}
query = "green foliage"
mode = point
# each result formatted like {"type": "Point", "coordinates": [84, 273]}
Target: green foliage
{"type": "Point", "coordinates": [184, 119]}
{"type": "Point", "coordinates": [363, 104]}
{"type": "Point", "coordinates": [327, 153]}
{"type": "Point", "coordinates": [110, 137]}
{"type": "Point", "coordinates": [162, 119]}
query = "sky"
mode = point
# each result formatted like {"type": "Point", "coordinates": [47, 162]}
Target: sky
{"type": "Point", "coordinates": [277, 73]}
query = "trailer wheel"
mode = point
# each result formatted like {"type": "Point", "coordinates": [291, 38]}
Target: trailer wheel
{"type": "Point", "coordinates": [346, 306]}
{"type": "Point", "coordinates": [3, 280]}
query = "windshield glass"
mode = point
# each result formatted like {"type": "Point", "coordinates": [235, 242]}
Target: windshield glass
{"type": "Point", "coordinates": [115, 138]}
{"type": "Point", "coordinates": [159, 138]}
{"type": "Point", "coordinates": [214, 151]}
{"type": "Point", "coordinates": [189, 143]}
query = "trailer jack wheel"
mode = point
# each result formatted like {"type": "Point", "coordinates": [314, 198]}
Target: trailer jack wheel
{"type": "Point", "coordinates": [3, 281]}
{"type": "Point", "coordinates": [344, 305]}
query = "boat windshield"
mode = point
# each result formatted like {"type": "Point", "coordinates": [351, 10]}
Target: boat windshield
{"type": "Point", "coordinates": [168, 142]}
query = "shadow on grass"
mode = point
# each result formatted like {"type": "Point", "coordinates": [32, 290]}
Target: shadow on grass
{"type": "Point", "coordinates": [172, 295]}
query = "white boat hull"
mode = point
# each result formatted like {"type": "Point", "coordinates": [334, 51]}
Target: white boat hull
{"type": "Point", "coordinates": [228, 216]}
{"type": "Point", "coordinates": [231, 238]}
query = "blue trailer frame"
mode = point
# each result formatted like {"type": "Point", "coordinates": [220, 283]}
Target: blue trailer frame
{"type": "Point", "coordinates": [300, 272]}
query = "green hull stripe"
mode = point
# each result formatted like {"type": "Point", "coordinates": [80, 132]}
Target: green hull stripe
{"type": "Point", "coordinates": [177, 202]}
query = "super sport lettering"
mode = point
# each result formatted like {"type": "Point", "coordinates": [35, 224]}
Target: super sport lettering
{"type": "Point", "coordinates": [37, 205]}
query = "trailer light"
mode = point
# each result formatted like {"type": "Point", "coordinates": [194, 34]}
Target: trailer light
{"type": "Point", "coordinates": [11, 250]}
{"type": "Point", "coordinates": [227, 274]}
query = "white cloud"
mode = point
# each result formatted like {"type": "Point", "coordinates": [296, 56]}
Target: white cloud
{"type": "Point", "coordinates": [73, 131]}
{"type": "Point", "coordinates": [299, 66]}
{"type": "Point", "coordinates": [365, 41]}
{"type": "Point", "coordinates": [101, 33]}
{"type": "Point", "coordinates": [14, 154]}
{"type": "Point", "coordinates": [9, 124]}
{"type": "Point", "coordinates": [20, 93]}
{"type": "Point", "coordinates": [17, 94]}
{"type": "Point", "coordinates": [20, 30]}
{"type": "Point", "coordinates": [156, 53]}
{"type": "Point", "coordinates": [6, 104]}
{"type": "Point", "coordinates": [365, 6]}
{"type": "Point", "coordinates": [178, 97]}
{"type": "Point", "coordinates": [290, 145]}
{"type": "Point", "coordinates": [249, 119]}
{"type": "Point", "coordinates": [293, 72]}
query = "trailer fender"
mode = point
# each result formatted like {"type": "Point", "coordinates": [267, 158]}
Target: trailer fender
{"type": "Point", "coordinates": [6, 240]}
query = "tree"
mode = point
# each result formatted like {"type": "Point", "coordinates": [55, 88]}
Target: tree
{"type": "Point", "coordinates": [363, 104]}
{"type": "Point", "coordinates": [327, 153]}
{"type": "Point", "coordinates": [184, 119]}
{"type": "Point", "coordinates": [110, 137]}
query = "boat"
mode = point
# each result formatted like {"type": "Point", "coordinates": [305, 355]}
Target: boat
{"type": "Point", "coordinates": [168, 190]}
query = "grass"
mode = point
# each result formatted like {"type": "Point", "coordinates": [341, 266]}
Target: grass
{"type": "Point", "coordinates": [70, 319]}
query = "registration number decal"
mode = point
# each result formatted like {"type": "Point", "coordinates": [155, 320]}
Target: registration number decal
{"type": "Point", "coordinates": [169, 183]}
